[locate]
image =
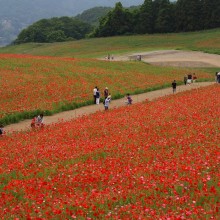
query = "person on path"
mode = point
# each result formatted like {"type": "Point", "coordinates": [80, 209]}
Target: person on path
{"type": "Point", "coordinates": [106, 92]}
{"type": "Point", "coordinates": [33, 122]}
{"type": "Point", "coordinates": [1, 130]}
{"type": "Point", "coordinates": [185, 79]}
{"type": "Point", "coordinates": [194, 77]}
{"type": "Point", "coordinates": [218, 77]}
{"type": "Point", "coordinates": [107, 102]}
{"type": "Point", "coordinates": [129, 99]}
{"type": "Point", "coordinates": [39, 120]}
{"type": "Point", "coordinates": [97, 96]}
{"type": "Point", "coordinates": [94, 94]}
{"type": "Point", "coordinates": [174, 86]}
{"type": "Point", "coordinates": [189, 80]}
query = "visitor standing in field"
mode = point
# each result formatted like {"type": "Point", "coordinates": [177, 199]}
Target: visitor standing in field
{"type": "Point", "coordinates": [174, 86]}
{"type": "Point", "coordinates": [107, 102]}
{"type": "Point", "coordinates": [1, 129]}
{"type": "Point", "coordinates": [129, 99]}
{"type": "Point", "coordinates": [106, 92]}
{"type": "Point", "coordinates": [194, 77]}
{"type": "Point", "coordinates": [33, 122]}
{"type": "Point", "coordinates": [94, 94]}
{"type": "Point", "coordinates": [39, 121]}
{"type": "Point", "coordinates": [189, 80]}
{"type": "Point", "coordinates": [97, 96]}
{"type": "Point", "coordinates": [218, 77]}
{"type": "Point", "coordinates": [185, 79]}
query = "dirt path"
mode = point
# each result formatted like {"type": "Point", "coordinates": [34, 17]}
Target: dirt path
{"type": "Point", "coordinates": [68, 115]}
{"type": "Point", "coordinates": [176, 58]}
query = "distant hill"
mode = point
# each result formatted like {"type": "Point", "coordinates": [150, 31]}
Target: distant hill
{"type": "Point", "coordinates": [92, 15]}
{"type": "Point", "coordinates": [16, 15]}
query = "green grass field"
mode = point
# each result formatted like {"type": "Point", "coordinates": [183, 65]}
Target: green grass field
{"type": "Point", "coordinates": [207, 41]}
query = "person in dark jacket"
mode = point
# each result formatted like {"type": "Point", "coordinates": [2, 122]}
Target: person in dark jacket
{"type": "Point", "coordinates": [97, 96]}
{"type": "Point", "coordinates": [174, 86]}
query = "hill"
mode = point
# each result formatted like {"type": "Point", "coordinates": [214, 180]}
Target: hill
{"type": "Point", "coordinates": [16, 15]}
{"type": "Point", "coordinates": [206, 41]}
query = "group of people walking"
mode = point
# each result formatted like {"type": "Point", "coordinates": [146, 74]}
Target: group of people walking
{"type": "Point", "coordinates": [107, 97]}
{"type": "Point", "coordinates": [36, 122]}
{"type": "Point", "coordinates": [190, 78]}
{"type": "Point", "coordinates": [109, 57]}
{"type": "Point", "coordinates": [97, 95]}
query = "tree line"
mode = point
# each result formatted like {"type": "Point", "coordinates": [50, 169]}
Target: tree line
{"type": "Point", "coordinates": [54, 30]}
{"type": "Point", "coordinates": [160, 16]}
{"type": "Point", "coordinates": [153, 16]}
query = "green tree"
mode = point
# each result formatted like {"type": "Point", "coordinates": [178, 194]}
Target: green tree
{"type": "Point", "coordinates": [145, 19]}
{"type": "Point", "coordinates": [164, 20]}
{"type": "Point", "coordinates": [210, 13]}
{"type": "Point", "coordinates": [56, 36]}
{"type": "Point", "coordinates": [188, 15]}
{"type": "Point", "coordinates": [53, 30]}
{"type": "Point", "coordinates": [116, 22]}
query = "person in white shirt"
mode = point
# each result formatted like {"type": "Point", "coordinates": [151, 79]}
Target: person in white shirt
{"type": "Point", "coordinates": [94, 94]}
{"type": "Point", "coordinates": [39, 120]}
{"type": "Point", "coordinates": [107, 102]}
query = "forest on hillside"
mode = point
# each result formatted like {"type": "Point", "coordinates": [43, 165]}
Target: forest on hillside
{"type": "Point", "coordinates": [153, 16]}
{"type": "Point", "coordinates": [15, 15]}
{"type": "Point", "coordinates": [160, 16]}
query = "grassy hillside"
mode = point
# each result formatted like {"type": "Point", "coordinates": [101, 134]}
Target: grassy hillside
{"type": "Point", "coordinates": [207, 41]}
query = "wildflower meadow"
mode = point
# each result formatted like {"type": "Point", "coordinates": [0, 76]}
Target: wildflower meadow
{"type": "Point", "coordinates": [55, 84]}
{"type": "Point", "coordinates": [154, 160]}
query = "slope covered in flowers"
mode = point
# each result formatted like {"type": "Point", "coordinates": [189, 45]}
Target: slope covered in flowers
{"type": "Point", "coordinates": [152, 160]}
{"type": "Point", "coordinates": [29, 83]}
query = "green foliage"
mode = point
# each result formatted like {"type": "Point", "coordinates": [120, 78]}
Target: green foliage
{"type": "Point", "coordinates": [116, 22]}
{"type": "Point", "coordinates": [54, 30]}
{"type": "Point", "coordinates": [93, 15]}
{"type": "Point", "coordinates": [160, 16]}
{"type": "Point", "coordinates": [145, 18]}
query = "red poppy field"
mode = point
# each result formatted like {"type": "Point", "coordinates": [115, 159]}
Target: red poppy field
{"type": "Point", "coordinates": [31, 82]}
{"type": "Point", "coordinates": [154, 160]}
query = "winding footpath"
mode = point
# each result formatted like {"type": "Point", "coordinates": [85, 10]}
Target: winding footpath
{"type": "Point", "coordinates": [68, 115]}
